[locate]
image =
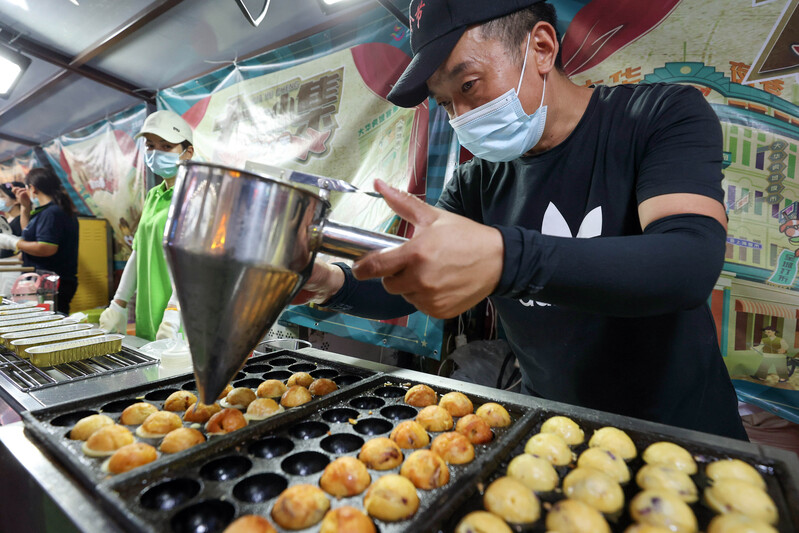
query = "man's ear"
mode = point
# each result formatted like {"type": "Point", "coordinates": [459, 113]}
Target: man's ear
{"type": "Point", "coordinates": [189, 153]}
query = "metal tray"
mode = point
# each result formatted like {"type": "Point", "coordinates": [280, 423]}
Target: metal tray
{"type": "Point", "coordinates": [780, 475]}
{"type": "Point", "coordinates": [211, 487]}
{"type": "Point", "coordinates": [51, 426]}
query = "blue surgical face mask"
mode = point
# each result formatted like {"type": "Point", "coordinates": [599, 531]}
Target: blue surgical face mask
{"type": "Point", "coordinates": [35, 202]}
{"type": "Point", "coordinates": [164, 164]}
{"type": "Point", "coordinates": [500, 130]}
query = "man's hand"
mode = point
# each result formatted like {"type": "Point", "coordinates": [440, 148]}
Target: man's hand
{"type": "Point", "coordinates": [324, 282]}
{"type": "Point", "coordinates": [24, 198]}
{"type": "Point", "coordinates": [450, 264]}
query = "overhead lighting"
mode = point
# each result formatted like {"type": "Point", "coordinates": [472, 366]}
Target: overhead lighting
{"type": "Point", "coordinates": [12, 65]}
{"type": "Point", "coordinates": [329, 6]}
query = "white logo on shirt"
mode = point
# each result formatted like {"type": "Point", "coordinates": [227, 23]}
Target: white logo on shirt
{"type": "Point", "coordinates": [554, 224]}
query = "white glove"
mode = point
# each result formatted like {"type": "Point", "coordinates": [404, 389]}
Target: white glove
{"type": "Point", "coordinates": [9, 242]}
{"type": "Point", "coordinates": [170, 325]}
{"type": "Point", "coordinates": [114, 319]}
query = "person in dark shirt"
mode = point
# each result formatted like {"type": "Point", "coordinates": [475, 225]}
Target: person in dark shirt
{"type": "Point", "coordinates": [591, 216]}
{"type": "Point", "coordinates": [49, 238]}
{"type": "Point", "coordinates": [9, 204]}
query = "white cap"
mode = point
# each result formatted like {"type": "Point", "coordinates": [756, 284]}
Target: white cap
{"type": "Point", "coordinates": [168, 125]}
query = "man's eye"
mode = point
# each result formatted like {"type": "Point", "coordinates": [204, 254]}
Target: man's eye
{"type": "Point", "coordinates": [466, 86]}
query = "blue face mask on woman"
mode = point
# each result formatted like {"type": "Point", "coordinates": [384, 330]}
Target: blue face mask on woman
{"type": "Point", "coordinates": [164, 164]}
{"type": "Point", "coordinates": [500, 130]}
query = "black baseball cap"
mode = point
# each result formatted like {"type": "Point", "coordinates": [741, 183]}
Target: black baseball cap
{"type": "Point", "coordinates": [436, 26]}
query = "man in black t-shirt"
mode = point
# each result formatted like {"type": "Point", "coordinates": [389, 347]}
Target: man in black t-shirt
{"type": "Point", "coordinates": [592, 217]}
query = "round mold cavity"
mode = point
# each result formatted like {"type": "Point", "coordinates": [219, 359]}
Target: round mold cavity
{"type": "Point", "coordinates": [159, 395]}
{"type": "Point", "coordinates": [257, 369]}
{"type": "Point", "coordinates": [208, 515]}
{"type": "Point", "coordinates": [70, 419]}
{"type": "Point", "coordinates": [280, 375]}
{"type": "Point", "coordinates": [190, 385]}
{"type": "Point", "coordinates": [373, 426]}
{"type": "Point", "coordinates": [398, 412]}
{"type": "Point", "coordinates": [305, 463]}
{"type": "Point", "coordinates": [251, 383]}
{"type": "Point", "coordinates": [327, 373]}
{"type": "Point", "coordinates": [170, 494]}
{"type": "Point", "coordinates": [390, 392]}
{"type": "Point", "coordinates": [226, 468]}
{"type": "Point", "coordinates": [340, 414]}
{"type": "Point", "coordinates": [239, 375]}
{"type": "Point", "coordinates": [309, 430]}
{"type": "Point", "coordinates": [341, 443]}
{"type": "Point", "coordinates": [271, 447]}
{"type": "Point", "coordinates": [118, 406]}
{"type": "Point", "coordinates": [260, 487]}
{"type": "Point", "coordinates": [347, 379]}
{"type": "Point", "coordinates": [302, 367]}
{"type": "Point", "coordinates": [282, 361]}
{"type": "Point", "coordinates": [367, 402]}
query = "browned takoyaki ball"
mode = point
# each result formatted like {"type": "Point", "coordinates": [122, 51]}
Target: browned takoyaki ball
{"type": "Point", "coordinates": [425, 469]}
{"type": "Point", "coordinates": [435, 418]}
{"type": "Point", "coordinates": [239, 398]}
{"type": "Point", "coordinates": [179, 401]}
{"type": "Point", "coordinates": [131, 456]}
{"type": "Point", "coordinates": [380, 453]}
{"type": "Point", "coordinates": [107, 440]}
{"type": "Point", "coordinates": [410, 435]}
{"type": "Point", "coordinates": [225, 391]}
{"type": "Point", "coordinates": [456, 403]}
{"type": "Point", "coordinates": [271, 388]}
{"type": "Point", "coordinates": [391, 498]}
{"type": "Point", "coordinates": [322, 386]}
{"type": "Point", "coordinates": [294, 396]}
{"type": "Point", "coordinates": [475, 429]}
{"type": "Point", "coordinates": [493, 413]}
{"type": "Point", "coordinates": [250, 523]}
{"type": "Point", "coordinates": [421, 396]}
{"type": "Point", "coordinates": [88, 425]}
{"type": "Point", "coordinates": [200, 413]}
{"type": "Point", "coordinates": [347, 519]}
{"type": "Point", "coordinates": [133, 415]}
{"type": "Point", "coordinates": [346, 476]}
{"type": "Point", "coordinates": [181, 439]}
{"type": "Point", "coordinates": [300, 506]}
{"type": "Point", "coordinates": [303, 379]}
{"type": "Point", "coordinates": [159, 424]}
{"type": "Point", "coordinates": [225, 421]}
{"type": "Point", "coordinates": [454, 448]}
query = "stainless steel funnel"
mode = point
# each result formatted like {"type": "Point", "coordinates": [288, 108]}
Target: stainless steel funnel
{"type": "Point", "coordinates": [240, 245]}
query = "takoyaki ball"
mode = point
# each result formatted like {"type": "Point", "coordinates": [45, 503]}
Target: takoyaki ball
{"type": "Point", "coordinates": [574, 516]}
{"type": "Point", "coordinates": [134, 415]}
{"type": "Point", "coordinates": [425, 469]}
{"type": "Point", "coordinates": [410, 435]}
{"type": "Point", "coordinates": [181, 439]}
{"type": "Point", "coordinates": [734, 469]}
{"type": "Point", "coordinates": [421, 396]}
{"type": "Point", "coordinates": [225, 391]}
{"type": "Point", "coordinates": [670, 454]}
{"type": "Point", "coordinates": [493, 413]}
{"type": "Point", "coordinates": [322, 386]}
{"type": "Point", "coordinates": [179, 401]}
{"type": "Point", "coordinates": [294, 396]}
{"type": "Point", "coordinates": [271, 388]}
{"type": "Point", "coordinates": [346, 476]}
{"type": "Point", "coordinates": [200, 413]}
{"type": "Point", "coordinates": [566, 428]}
{"type": "Point", "coordinates": [380, 453]}
{"type": "Point", "coordinates": [238, 398]}
{"type": "Point", "coordinates": [250, 523]}
{"type": "Point", "coordinates": [88, 425]}
{"type": "Point", "coordinates": [646, 528]}
{"type": "Point", "coordinates": [736, 496]}
{"type": "Point", "coordinates": [303, 379]}
{"type": "Point", "coordinates": [595, 488]}
{"type": "Point", "coordinates": [661, 477]}
{"type": "Point", "coordinates": [475, 429]}
{"type": "Point", "coordinates": [457, 404]}
{"type": "Point", "coordinates": [482, 522]}
{"type": "Point", "coordinates": [536, 473]}
{"type": "Point", "coordinates": [512, 501]}
{"type": "Point", "coordinates": [615, 440]}
{"type": "Point", "coordinates": [225, 421]}
{"type": "Point", "coordinates": [300, 506]}
{"type": "Point", "coordinates": [158, 424]}
{"type": "Point", "coordinates": [738, 523]}
{"type": "Point", "coordinates": [454, 448]}
{"type": "Point", "coordinates": [346, 519]}
{"type": "Point", "coordinates": [262, 408]}
{"type": "Point", "coordinates": [435, 418]}
{"type": "Point", "coordinates": [662, 508]}
{"type": "Point", "coordinates": [391, 498]}
{"type": "Point", "coordinates": [605, 461]}
{"type": "Point", "coordinates": [129, 457]}
{"type": "Point", "coordinates": [106, 440]}
{"type": "Point", "coordinates": [550, 447]}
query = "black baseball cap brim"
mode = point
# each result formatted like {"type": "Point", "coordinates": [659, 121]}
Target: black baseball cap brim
{"type": "Point", "coordinates": [411, 88]}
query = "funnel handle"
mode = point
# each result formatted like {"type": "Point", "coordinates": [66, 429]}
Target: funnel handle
{"type": "Point", "coordinates": [347, 241]}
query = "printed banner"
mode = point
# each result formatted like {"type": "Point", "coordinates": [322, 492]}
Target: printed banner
{"type": "Point", "coordinates": [785, 273]}
{"type": "Point", "coordinates": [16, 168]}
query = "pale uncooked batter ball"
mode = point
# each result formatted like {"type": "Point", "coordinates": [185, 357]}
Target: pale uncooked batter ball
{"type": "Point", "coordinates": [738, 523]}
{"type": "Point", "coordinates": [391, 498]}
{"type": "Point", "coordinates": [550, 447]}
{"type": "Point", "coordinates": [734, 469]}
{"type": "Point", "coordinates": [482, 522]}
{"type": "Point", "coordinates": [574, 516]}
{"type": "Point", "coordinates": [566, 428]}
{"type": "Point", "coordinates": [663, 509]}
{"type": "Point", "coordinates": [536, 473]}
{"type": "Point", "coordinates": [660, 477]}
{"type": "Point", "coordinates": [595, 488]}
{"type": "Point", "coordinates": [615, 440]}
{"type": "Point", "coordinates": [605, 461]}
{"type": "Point", "coordinates": [736, 496]}
{"type": "Point", "coordinates": [670, 454]}
{"type": "Point", "coordinates": [512, 500]}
